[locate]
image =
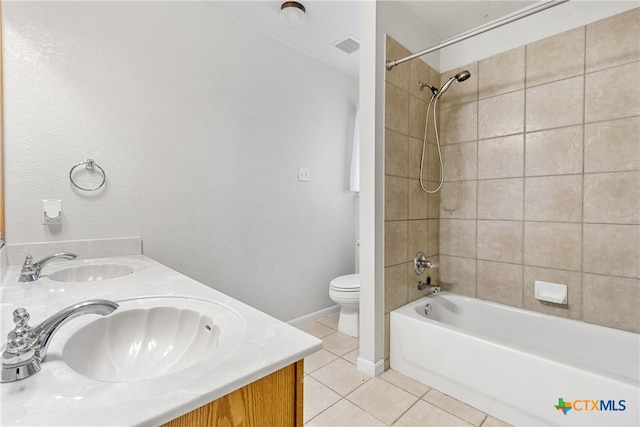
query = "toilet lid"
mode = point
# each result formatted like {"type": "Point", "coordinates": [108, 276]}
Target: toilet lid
{"type": "Point", "coordinates": [349, 282]}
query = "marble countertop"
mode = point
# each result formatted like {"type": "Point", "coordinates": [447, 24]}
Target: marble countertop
{"type": "Point", "coordinates": [58, 395]}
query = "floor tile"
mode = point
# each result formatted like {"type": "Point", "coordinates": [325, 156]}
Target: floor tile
{"type": "Point", "coordinates": [408, 384]}
{"type": "Point", "coordinates": [455, 407]}
{"type": "Point", "coordinates": [317, 329]}
{"type": "Point", "coordinates": [342, 414]}
{"type": "Point", "coordinates": [340, 376]}
{"type": "Point", "coordinates": [318, 397]}
{"type": "Point", "coordinates": [331, 321]}
{"type": "Point", "coordinates": [424, 414]}
{"type": "Point", "coordinates": [494, 422]}
{"type": "Point", "coordinates": [339, 343]}
{"type": "Point", "coordinates": [317, 360]}
{"type": "Point", "coordinates": [352, 356]}
{"type": "Point", "coordinates": [383, 400]}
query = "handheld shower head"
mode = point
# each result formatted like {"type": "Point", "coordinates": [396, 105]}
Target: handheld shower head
{"type": "Point", "coordinates": [460, 77]}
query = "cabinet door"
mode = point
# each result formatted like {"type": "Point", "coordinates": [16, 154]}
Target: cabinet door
{"type": "Point", "coordinates": [275, 400]}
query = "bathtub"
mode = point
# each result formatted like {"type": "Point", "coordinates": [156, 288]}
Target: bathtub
{"type": "Point", "coordinates": [518, 365]}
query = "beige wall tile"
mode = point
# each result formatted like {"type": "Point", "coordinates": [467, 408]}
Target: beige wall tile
{"type": "Point", "coordinates": [554, 152]}
{"type": "Point", "coordinates": [420, 72]}
{"type": "Point", "coordinates": [612, 250]}
{"type": "Point", "coordinates": [501, 115]}
{"type": "Point", "coordinates": [396, 198]}
{"type": "Point", "coordinates": [460, 92]}
{"type": "Point", "coordinates": [553, 198]}
{"type": "Point", "coordinates": [395, 287]}
{"type": "Point", "coordinates": [501, 73]}
{"type": "Point", "coordinates": [458, 200]}
{"type": "Point", "coordinates": [417, 117]}
{"type": "Point", "coordinates": [500, 282]}
{"type": "Point", "coordinates": [458, 237]}
{"type": "Point", "coordinates": [418, 201]}
{"type": "Point", "coordinates": [418, 237]}
{"type": "Point", "coordinates": [516, 201]}
{"type": "Point", "coordinates": [399, 75]}
{"type": "Point", "coordinates": [396, 111]}
{"type": "Point", "coordinates": [433, 241]}
{"type": "Point", "coordinates": [612, 145]}
{"type": "Point", "coordinates": [432, 163]}
{"type": "Point", "coordinates": [460, 161]}
{"type": "Point", "coordinates": [612, 198]}
{"type": "Point", "coordinates": [612, 93]}
{"type": "Point", "coordinates": [395, 243]}
{"type": "Point", "coordinates": [611, 301]}
{"type": "Point", "coordinates": [613, 41]}
{"type": "Point", "coordinates": [396, 153]}
{"type": "Point", "coordinates": [501, 199]}
{"type": "Point", "coordinates": [415, 156]}
{"type": "Point", "coordinates": [458, 275]}
{"type": "Point", "coordinates": [501, 157]}
{"type": "Point", "coordinates": [458, 123]}
{"type": "Point", "coordinates": [501, 241]}
{"type": "Point", "coordinates": [556, 57]}
{"type": "Point", "coordinates": [553, 245]}
{"type": "Point", "coordinates": [434, 202]}
{"type": "Point", "coordinates": [573, 281]}
{"type": "Point", "coordinates": [555, 104]}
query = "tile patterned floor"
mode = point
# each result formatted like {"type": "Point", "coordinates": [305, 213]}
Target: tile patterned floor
{"type": "Point", "coordinates": [337, 394]}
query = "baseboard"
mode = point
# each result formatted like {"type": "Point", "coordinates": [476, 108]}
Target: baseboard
{"type": "Point", "coordinates": [369, 368]}
{"type": "Point", "coordinates": [312, 317]}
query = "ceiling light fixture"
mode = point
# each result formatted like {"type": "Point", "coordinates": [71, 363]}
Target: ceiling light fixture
{"type": "Point", "coordinates": [292, 14]}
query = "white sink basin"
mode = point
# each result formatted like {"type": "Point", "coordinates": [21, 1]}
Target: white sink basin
{"type": "Point", "coordinates": [95, 270]}
{"type": "Point", "coordinates": [152, 337]}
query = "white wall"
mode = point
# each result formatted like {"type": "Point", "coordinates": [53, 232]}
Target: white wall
{"type": "Point", "coordinates": [200, 123]}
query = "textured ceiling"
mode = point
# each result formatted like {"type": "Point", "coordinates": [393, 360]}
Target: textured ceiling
{"type": "Point", "coordinates": [327, 22]}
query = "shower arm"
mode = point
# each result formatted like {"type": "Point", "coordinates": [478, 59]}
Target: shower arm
{"type": "Point", "coordinates": [479, 30]}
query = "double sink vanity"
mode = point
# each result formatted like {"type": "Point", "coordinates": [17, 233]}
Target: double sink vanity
{"type": "Point", "coordinates": [173, 352]}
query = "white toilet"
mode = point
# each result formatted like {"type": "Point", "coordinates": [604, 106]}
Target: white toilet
{"type": "Point", "coordinates": [345, 290]}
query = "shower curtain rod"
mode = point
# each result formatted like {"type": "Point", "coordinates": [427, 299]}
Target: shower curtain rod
{"type": "Point", "coordinates": [528, 12]}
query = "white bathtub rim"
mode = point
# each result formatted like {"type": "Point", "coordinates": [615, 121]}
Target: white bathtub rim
{"type": "Point", "coordinates": [410, 309]}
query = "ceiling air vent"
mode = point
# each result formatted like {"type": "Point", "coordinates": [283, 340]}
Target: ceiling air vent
{"type": "Point", "coordinates": [348, 44]}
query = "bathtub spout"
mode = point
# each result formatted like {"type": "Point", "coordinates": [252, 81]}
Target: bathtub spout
{"type": "Point", "coordinates": [429, 287]}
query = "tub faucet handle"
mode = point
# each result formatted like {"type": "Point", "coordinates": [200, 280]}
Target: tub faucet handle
{"type": "Point", "coordinates": [420, 263]}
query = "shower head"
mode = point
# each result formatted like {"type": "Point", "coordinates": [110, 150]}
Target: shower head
{"type": "Point", "coordinates": [460, 77]}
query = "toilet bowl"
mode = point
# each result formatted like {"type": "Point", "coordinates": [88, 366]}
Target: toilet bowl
{"type": "Point", "coordinates": [345, 290]}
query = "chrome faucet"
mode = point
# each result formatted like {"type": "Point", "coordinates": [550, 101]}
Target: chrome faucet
{"type": "Point", "coordinates": [426, 285]}
{"type": "Point", "coordinates": [31, 270]}
{"type": "Point", "coordinates": [27, 347]}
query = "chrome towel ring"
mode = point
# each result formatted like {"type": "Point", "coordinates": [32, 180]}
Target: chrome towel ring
{"type": "Point", "coordinates": [91, 165]}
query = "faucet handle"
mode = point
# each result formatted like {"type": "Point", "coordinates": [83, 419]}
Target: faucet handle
{"type": "Point", "coordinates": [18, 338]}
{"type": "Point", "coordinates": [21, 321]}
{"type": "Point", "coordinates": [28, 265]}
{"type": "Point", "coordinates": [21, 316]}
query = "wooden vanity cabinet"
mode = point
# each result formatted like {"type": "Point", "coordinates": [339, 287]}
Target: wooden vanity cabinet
{"type": "Point", "coordinates": [272, 401]}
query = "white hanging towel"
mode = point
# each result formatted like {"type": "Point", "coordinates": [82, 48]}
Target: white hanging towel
{"type": "Point", "coordinates": [354, 182]}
